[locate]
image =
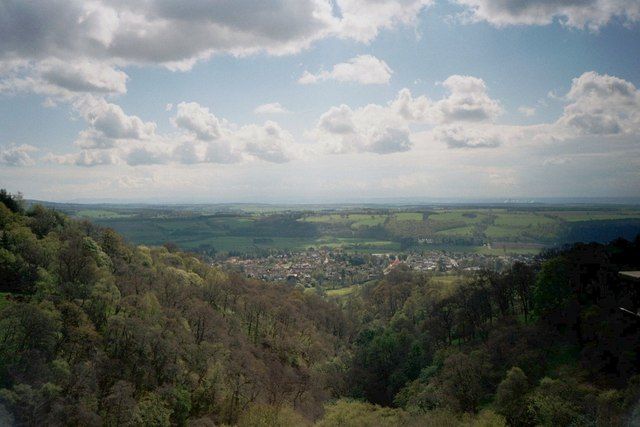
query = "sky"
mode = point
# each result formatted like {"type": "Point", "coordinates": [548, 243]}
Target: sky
{"type": "Point", "coordinates": [313, 101]}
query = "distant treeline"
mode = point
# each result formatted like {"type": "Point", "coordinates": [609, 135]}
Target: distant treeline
{"type": "Point", "coordinates": [600, 231]}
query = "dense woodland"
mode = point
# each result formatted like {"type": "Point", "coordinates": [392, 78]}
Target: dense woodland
{"type": "Point", "coordinates": [94, 331]}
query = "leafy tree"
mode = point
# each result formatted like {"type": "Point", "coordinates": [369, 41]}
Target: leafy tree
{"type": "Point", "coordinates": [462, 382]}
{"type": "Point", "coordinates": [352, 413]}
{"type": "Point", "coordinates": [261, 415]}
{"type": "Point", "coordinates": [552, 289]}
{"type": "Point", "coordinates": [12, 201]}
{"type": "Point", "coordinates": [29, 334]}
{"type": "Point", "coordinates": [152, 411]}
{"type": "Point", "coordinates": [511, 398]}
{"type": "Point", "coordinates": [560, 403]}
{"type": "Point", "coordinates": [42, 221]}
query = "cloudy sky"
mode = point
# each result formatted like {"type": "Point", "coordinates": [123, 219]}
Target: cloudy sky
{"type": "Point", "coordinates": [319, 100]}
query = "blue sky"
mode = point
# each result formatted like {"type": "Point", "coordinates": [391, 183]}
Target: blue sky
{"type": "Point", "coordinates": [157, 101]}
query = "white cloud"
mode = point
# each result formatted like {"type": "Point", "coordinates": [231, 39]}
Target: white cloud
{"type": "Point", "coordinates": [467, 137]}
{"type": "Point", "coordinates": [597, 105]}
{"type": "Point", "coordinates": [363, 69]}
{"type": "Point", "coordinates": [64, 80]}
{"type": "Point", "coordinates": [390, 140]}
{"type": "Point", "coordinates": [468, 101]}
{"type": "Point", "coordinates": [592, 14]}
{"type": "Point", "coordinates": [270, 108]}
{"type": "Point", "coordinates": [387, 129]}
{"type": "Point", "coordinates": [85, 158]}
{"type": "Point", "coordinates": [223, 152]}
{"type": "Point", "coordinates": [114, 137]}
{"type": "Point", "coordinates": [226, 142]}
{"type": "Point", "coordinates": [198, 120]}
{"type": "Point", "coordinates": [454, 142]}
{"type": "Point", "coordinates": [58, 48]}
{"type": "Point", "coordinates": [108, 124]}
{"type": "Point", "coordinates": [267, 142]}
{"type": "Point", "coordinates": [160, 31]}
{"type": "Point", "coordinates": [83, 76]}
{"type": "Point", "coordinates": [146, 156]}
{"type": "Point", "coordinates": [372, 128]}
{"type": "Point", "coordinates": [17, 155]}
{"type": "Point", "coordinates": [412, 109]}
{"type": "Point", "coordinates": [338, 120]}
{"type": "Point", "coordinates": [363, 19]}
{"type": "Point", "coordinates": [600, 104]}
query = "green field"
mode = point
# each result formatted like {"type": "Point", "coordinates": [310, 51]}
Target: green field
{"type": "Point", "coordinates": [409, 216]}
{"type": "Point", "coordinates": [466, 216]}
{"type": "Point", "coordinates": [522, 220]}
{"type": "Point", "coordinates": [502, 233]}
{"type": "Point", "coordinates": [239, 234]}
{"type": "Point", "coordinates": [254, 228]}
{"type": "Point", "coordinates": [466, 231]}
{"type": "Point", "coordinates": [101, 214]}
{"type": "Point", "coordinates": [352, 220]}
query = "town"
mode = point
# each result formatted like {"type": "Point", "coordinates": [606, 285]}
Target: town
{"type": "Point", "coordinates": [337, 268]}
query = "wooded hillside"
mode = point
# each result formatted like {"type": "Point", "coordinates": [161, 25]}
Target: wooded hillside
{"type": "Point", "coordinates": [94, 331]}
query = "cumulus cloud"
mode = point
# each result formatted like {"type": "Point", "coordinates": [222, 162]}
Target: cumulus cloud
{"type": "Point", "coordinates": [146, 156]}
{"type": "Point", "coordinates": [591, 14]}
{"type": "Point", "coordinates": [113, 137]}
{"type": "Point", "coordinates": [338, 120]}
{"type": "Point", "coordinates": [108, 124]}
{"type": "Point", "coordinates": [17, 155]}
{"type": "Point", "coordinates": [82, 76]}
{"type": "Point", "coordinates": [267, 142]}
{"type": "Point", "coordinates": [87, 158]}
{"type": "Point", "coordinates": [160, 31]}
{"type": "Point", "coordinates": [464, 118]}
{"type": "Point", "coordinates": [372, 128]}
{"type": "Point", "coordinates": [38, 38]}
{"type": "Point", "coordinates": [198, 120]}
{"type": "Point", "coordinates": [64, 80]}
{"type": "Point", "coordinates": [390, 140]}
{"type": "Point", "coordinates": [467, 137]}
{"type": "Point", "coordinates": [600, 104]}
{"type": "Point", "coordinates": [387, 129]}
{"type": "Point", "coordinates": [191, 151]}
{"type": "Point", "coordinates": [363, 19]}
{"type": "Point", "coordinates": [468, 101]}
{"type": "Point", "coordinates": [412, 109]}
{"type": "Point", "coordinates": [596, 105]}
{"type": "Point", "coordinates": [363, 69]}
{"type": "Point", "coordinates": [270, 108]}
